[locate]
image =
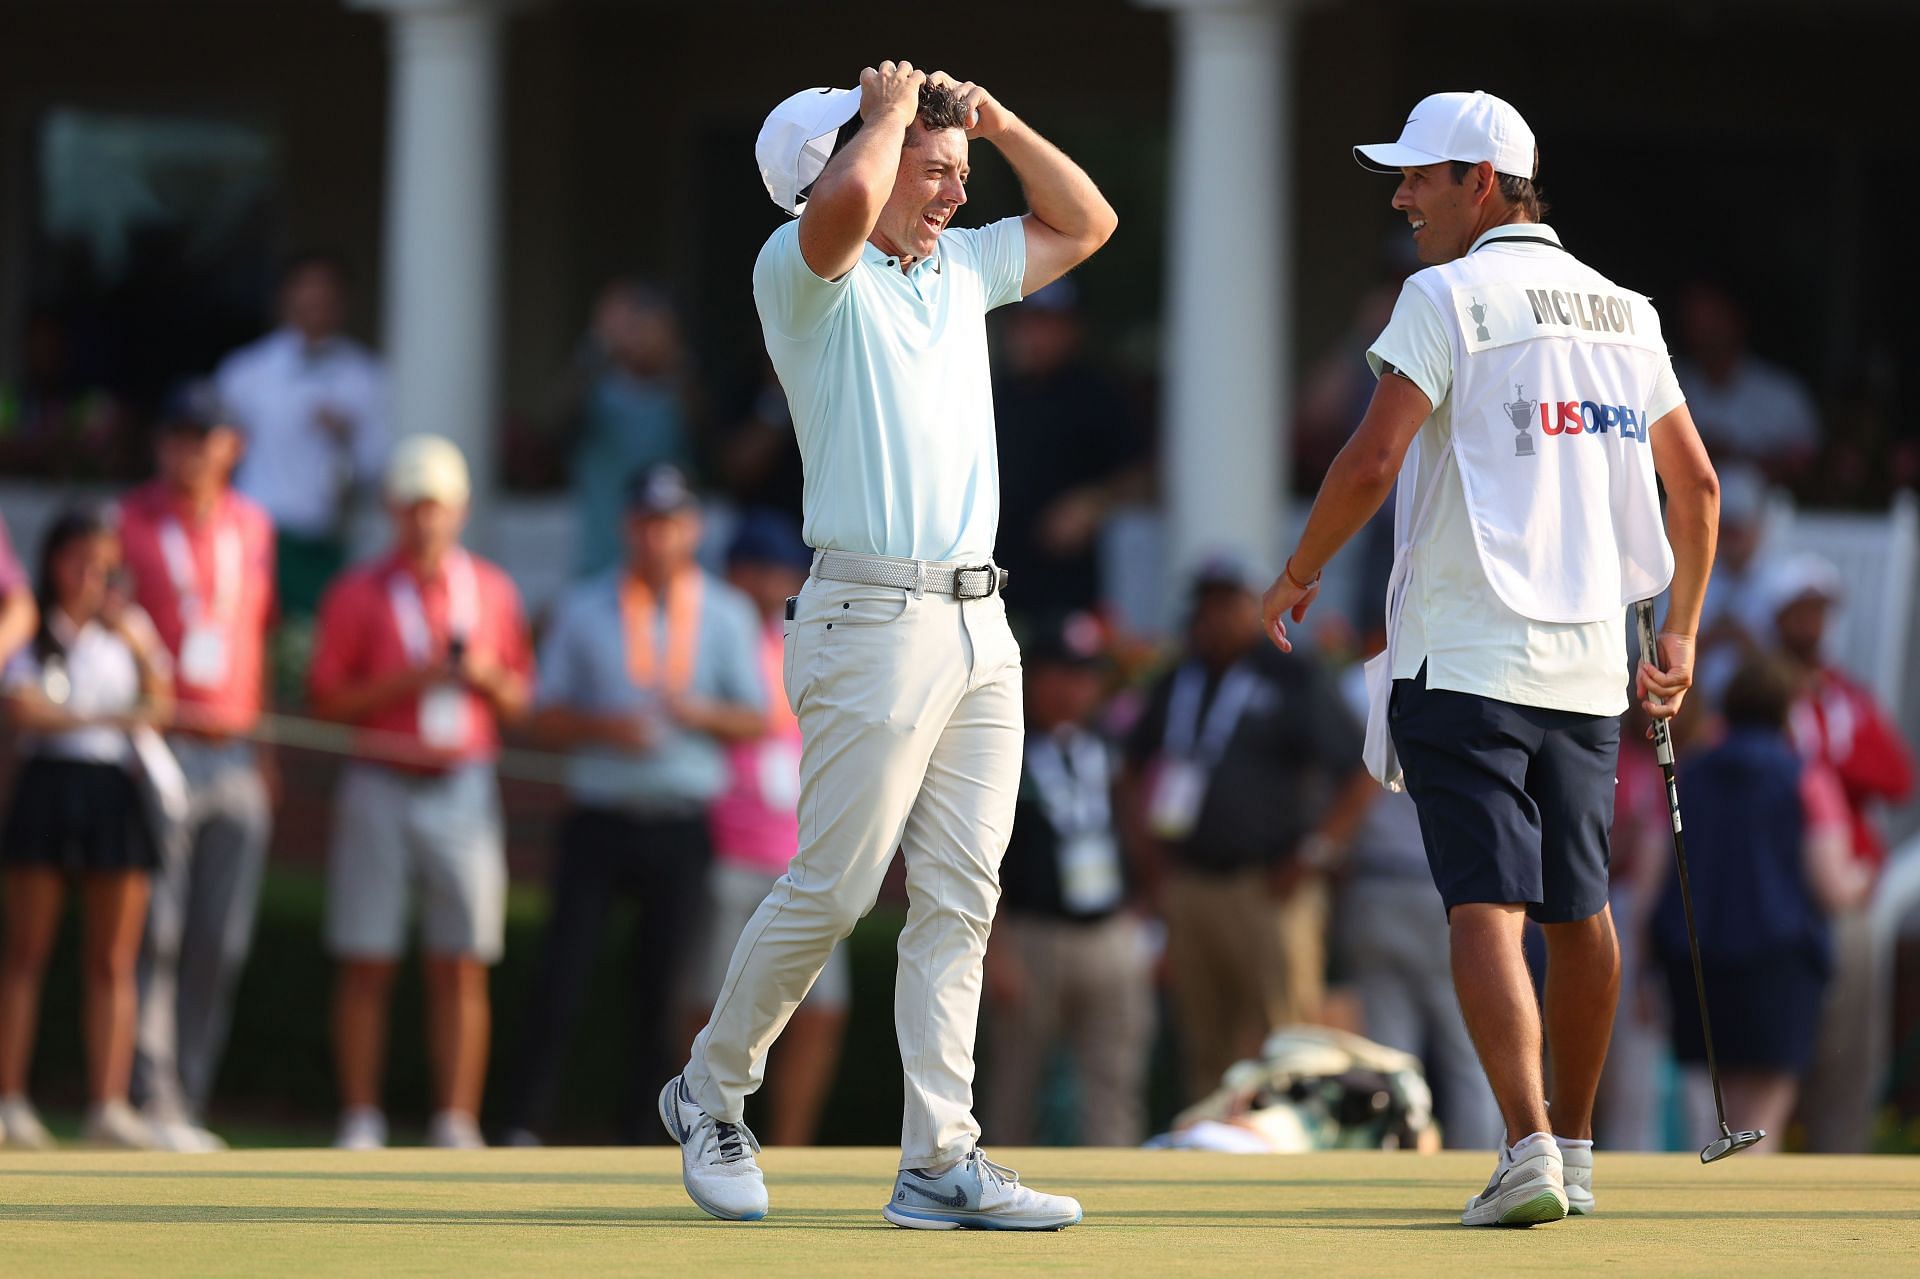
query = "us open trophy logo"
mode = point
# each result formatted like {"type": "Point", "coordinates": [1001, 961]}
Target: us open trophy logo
{"type": "Point", "coordinates": [1479, 313]}
{"type": "Point", "coordinates": [1521, 413]}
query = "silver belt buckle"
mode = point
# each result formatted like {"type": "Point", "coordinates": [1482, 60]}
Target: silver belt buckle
{"type": "Point", "coordinates": [989, 582]}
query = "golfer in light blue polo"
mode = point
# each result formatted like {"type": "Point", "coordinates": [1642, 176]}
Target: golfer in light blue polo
{"type": "Point", "coordinates": [898, 663]}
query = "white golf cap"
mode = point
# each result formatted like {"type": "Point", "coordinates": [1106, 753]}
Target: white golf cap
{"type": "Point", "coordinates": [1457, 126]}
{"type": "Point", "coordinates": [797, 141]}
{"type": "Point", "coordinates": [1804, 575]}
{"type": "Point", "coordinates": [427, 468]}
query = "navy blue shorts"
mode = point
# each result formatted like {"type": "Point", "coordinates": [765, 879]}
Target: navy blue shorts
{"type": "Point", "coordinates": [1515, 801]}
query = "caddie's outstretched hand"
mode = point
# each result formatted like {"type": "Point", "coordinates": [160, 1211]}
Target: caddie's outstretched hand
{"type": "Point", "coordinates": [1284, 599]}
{"type": "Point", "coordinates": [890, 92]}
{"type": "Point", "coordinates": [1662, 691]}
{"type": "Point", "coordinates": [986, 118]}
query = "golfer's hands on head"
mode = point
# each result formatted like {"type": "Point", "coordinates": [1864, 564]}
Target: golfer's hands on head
{"type": "Point", "coordinates": [986, 118]}
{"type": "Point", "coordinates": [890, 93]}
{"type": "Point", "coordinates": [1662, 690]}
{"type": "Point", "coordinates": [1286, 599]}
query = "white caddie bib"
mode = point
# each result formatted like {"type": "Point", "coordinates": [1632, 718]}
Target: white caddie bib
{"type": "Point", "coordinates": [1553, 368]}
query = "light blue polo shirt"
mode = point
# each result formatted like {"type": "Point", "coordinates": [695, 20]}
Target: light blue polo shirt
{"type": "Point", "coordinates": [583, 665]}
{"type": "Point", "coordinates": [886, 375]}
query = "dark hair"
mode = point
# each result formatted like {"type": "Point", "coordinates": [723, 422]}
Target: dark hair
{"type": "Point", "coordinates": [70, 526]}
{"type": "Point", "coordinates": [1523, 193]}
{"type": "Point", "coordinates": [940, 108]}
{"type": "Point", "coordinates": [328, 260]}
{"type": "Point", "coordinates": [642, 294]}
{"type": "Point", "coordinates": [1760, 694]}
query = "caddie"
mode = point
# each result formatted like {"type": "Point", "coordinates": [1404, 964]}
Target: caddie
{"type": "Point", "coordinates": [899, 663]}
{"type": "Point", "coordinates": [1526, 405]}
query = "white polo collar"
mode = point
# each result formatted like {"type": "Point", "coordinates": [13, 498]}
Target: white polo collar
{"type": "Point", "coordinates": [876, 256]}
{"type": "Point", "coordinates": [1530, 230]}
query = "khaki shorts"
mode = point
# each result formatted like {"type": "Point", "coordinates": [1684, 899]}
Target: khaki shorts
{"type": "Point", "coordinates": [395, 834]}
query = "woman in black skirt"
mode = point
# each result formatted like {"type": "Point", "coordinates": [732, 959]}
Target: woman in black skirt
{"type": "Point", "coordinates": [94, 674]}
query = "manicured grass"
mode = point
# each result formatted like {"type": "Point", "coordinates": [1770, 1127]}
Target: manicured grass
{"type": "Point", "coordinates": [608, 1211]}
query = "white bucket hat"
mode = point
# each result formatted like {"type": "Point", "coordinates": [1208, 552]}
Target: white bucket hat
{"type": "Point", "coordinates": [797, 141]}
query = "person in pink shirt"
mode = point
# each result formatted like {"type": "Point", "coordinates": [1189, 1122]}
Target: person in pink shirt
{"type": "Point", "coordinates": [425, 651]}
{"type": "Point", "coordinates": [201, 559]}
{"type": "Point", "coordinates": [756, 831]}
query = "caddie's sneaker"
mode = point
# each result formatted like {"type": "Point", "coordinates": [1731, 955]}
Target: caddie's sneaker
{"type": "Point", "coordinates": [1577, 1167]}
{"type": "Point", "coordinates": [118, 1126]}
{"type": "Point", "coordinates": [361, 1128]}
{"type": "Point", "coordinates": [1528, 1187]}
{"type": "Point", "coordinates": [975, 1194]}
{"type": "Point", "coordinates": [716, 1159]}
{"type": "Point", "coordinates": [20, 1125]}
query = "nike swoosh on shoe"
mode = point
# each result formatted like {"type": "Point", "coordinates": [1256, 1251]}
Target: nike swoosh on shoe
{"type": "Point", "coordinates": [957, 1200]}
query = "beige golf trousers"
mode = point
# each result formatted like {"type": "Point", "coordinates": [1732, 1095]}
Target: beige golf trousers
{"type": "Point", "coordinates": [910, 710]}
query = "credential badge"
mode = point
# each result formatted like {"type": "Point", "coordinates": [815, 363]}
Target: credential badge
{"type": "Point", "coordinates": [1520, 412]}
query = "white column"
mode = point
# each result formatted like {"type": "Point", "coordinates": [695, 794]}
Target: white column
{"type": "Point", "coordinates": [1228, 347]}
{"type": "Point", "coordinates": [440, 297]}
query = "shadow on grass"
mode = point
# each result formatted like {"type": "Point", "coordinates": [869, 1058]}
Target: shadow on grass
{"type": "Point", "coordinates": [315, 1215]}
{"type": "Point", "coordinates": [502, 1178]}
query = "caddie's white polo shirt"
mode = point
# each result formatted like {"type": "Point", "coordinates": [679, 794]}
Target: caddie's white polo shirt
{"type": "Point", "coordinates": [886, 375]}
{"type": "Point", "coordinates": [1452, 619]}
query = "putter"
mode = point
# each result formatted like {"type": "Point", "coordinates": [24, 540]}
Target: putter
{"type": "Point", "coordinates": [1729, 1141]}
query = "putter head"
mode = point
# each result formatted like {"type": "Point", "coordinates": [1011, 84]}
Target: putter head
{"type": "Point", "coordinates": [1728, 1143]}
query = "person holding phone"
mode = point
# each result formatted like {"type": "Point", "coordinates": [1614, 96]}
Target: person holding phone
{"type": "Point", "coordinates": [94, 677]}
{"type": "Point", "coordinates": [425, 651]}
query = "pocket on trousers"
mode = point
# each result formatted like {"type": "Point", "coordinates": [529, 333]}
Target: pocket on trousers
{"type": "Point", "coordinates": [788, 634]}
{"type": "Point", "coordinates": [876, 606]}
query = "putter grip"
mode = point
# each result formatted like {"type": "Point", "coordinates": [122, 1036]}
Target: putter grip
{"type": "Point", "coordinates": [1650, 651]}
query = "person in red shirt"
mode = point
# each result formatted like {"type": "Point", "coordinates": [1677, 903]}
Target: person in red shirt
{"type": "Point", "coordinates": [201, 559]}
{"type": "Point", "coordinates": [1838, 722]}
{"type": "Point", "coordinates": [425, 651]}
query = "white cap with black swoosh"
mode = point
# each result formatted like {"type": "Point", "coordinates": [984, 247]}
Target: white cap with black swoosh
{"type": "Point", "coordinates": [797, 140]}
{"type": "Point", "coordinates": [1470, 127]}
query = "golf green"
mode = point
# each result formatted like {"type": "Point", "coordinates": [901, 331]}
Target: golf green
{"type": "Point", "coordinates": [620, 1211]}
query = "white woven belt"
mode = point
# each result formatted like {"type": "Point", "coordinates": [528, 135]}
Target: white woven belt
{"type": "Point", "coordinates": [963, 582]}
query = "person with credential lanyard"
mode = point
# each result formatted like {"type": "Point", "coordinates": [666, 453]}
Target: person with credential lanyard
{"type": "Point", "coordinates": [201, 559]}
{"type": "Point", "coordinates": [648, 673]}
{"type": "Point", "coordinates": [1070, 961]}
{"type": "Point", "coordinates": [425, 651]}
{"type": "Point", "coordinates": [1526, 404]}
{"type": "Point", "coordinates": [1244, 783]}
{"type": "Point", "coordinates": [899, 664]}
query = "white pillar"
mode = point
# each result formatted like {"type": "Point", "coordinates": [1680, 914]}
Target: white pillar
{"type": "Point", "coordinates": [440, 297]}
{"type": "Point", "coordinates": [1228, 350]}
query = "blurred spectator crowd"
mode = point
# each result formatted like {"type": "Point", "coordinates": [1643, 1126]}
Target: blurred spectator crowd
{"type": "Point", "coordinates": [1198, 856]}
